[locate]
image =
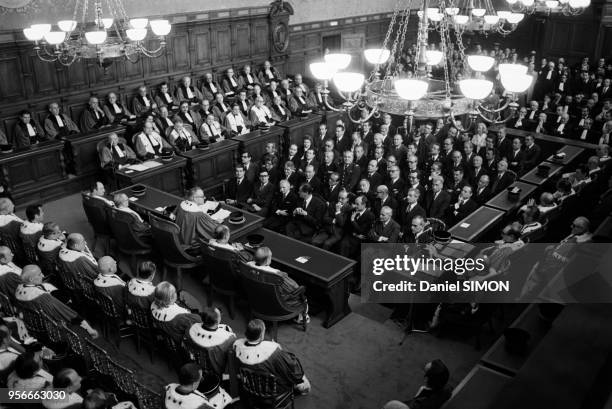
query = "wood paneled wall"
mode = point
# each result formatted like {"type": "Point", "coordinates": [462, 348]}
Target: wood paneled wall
{"type": "Point", "coordinates": [193, 48]}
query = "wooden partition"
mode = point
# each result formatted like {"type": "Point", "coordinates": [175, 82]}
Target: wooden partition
{"type": "Point", "coordinates": [255, 142]}
{"type": "Point", "coordinates": [211, 167]}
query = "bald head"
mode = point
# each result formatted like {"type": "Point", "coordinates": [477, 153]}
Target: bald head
{"type": "Point", "coordinates": [31, 274]}
{"type": "Point", "coordinates": [107, 265]}
{"type": "Point", "coordinates": [75, 241]}
{"type": "Point", "coordinates": [6, 255]}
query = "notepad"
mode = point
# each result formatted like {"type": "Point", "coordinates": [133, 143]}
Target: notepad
{"type": "Point", "coordinates": [302, 259]}
{"type": "Point", "coordinates": [209, 205]}
{"type": "Point", "coordinates": [137, 167]}
{"type": "Point", "coordinates": [160, 209]}
{"type": "Point", "coordinates": [464, 225]}
{"type": "Point", "coordinates": [221, 215]}
{"type": "Point", "coordinates": [151, 164]}
{"type": "Point", "coordinates": [133, 199]}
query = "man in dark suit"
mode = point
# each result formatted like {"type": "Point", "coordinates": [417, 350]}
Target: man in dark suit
{"type": "Point", "coordinates": [334, 220]}
{"type": "Point", "coordinates": [372, 175]}
{"type": "Point", "coordinates": [456, 184]}
{"type": "Point", "coordinates": [563, 128]}
{"type": "Point", "coordinates": [490, 162]}
{"type": "Point", "coordinates": [341, 141]}
{"type": "Point", "coordinates": [332, 188]}
{"type": "Point", "coordinates": [476, 170]}
{"type": "Point", "coordinates": [383, 198]}
{"type": "Point", "coordinates": [417, 233]}
{"type": "Point", "coordinates": [502, 179]}
{"type": "Point", "coordinates": [327, 167]}
{"type": "Point", "coordinates": [437, 200]}
{"type": "Point", "coordinates": [409, 208]}
{"type": "Point", "coordinates": [282, 208]}
{"type": "Point", "coordinates": [483, 192]}
{"type": "Point", "coordinates": [292, 155]}
{"type": "Point", "coordinates": [357, 227]}
{"type": "Point", "coordinates": [520, 121]}
{"type": "Point", "coordinates": [263, 193]}
{"type": "Point", "coordinates": [587, 133]}
{"type": "Point", "coordinates": [385, 229]}
{"type": "Point", "coordinates": [605, 91]}
{"type": "Point", "coordinates": [517, 157]}
{"type": "Point", "coordinates": [311, 178]}
{"type": "Point", "coordinates": [291, 174]}
{"type": "Point", "coordinates": [307, 216]}
{"type": "Point", "coordinates": [251, 171]}
{"type": "Point", "coordinates": [433, 393]}
{"type": "Point", "coordinates": [349, 171]}
{"type": "Point", "coordinates": [532, 153]}
{"type": "Point", "coordinates": [239, 189]}
{"type": "Point", "coordinates": [463, 207]}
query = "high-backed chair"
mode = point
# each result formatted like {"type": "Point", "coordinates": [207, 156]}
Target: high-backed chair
{"type": "Point", "coordinates": [97, 218]}
{"type": "Point", "coordinates": [143, 327]}
{"type": "Point", "coordinates": [223, 275]}
{"type": "Point", "coordinates": [128, 242]}
{"type": "Point", "coordinates": [166, 236]}
{"type": "Point", "coordinates": [112, 318]}
{"type": "Point", "coordinates": [261, 390]}
{"type": "Point", "coordinates": [9, 237]}
{"type": "Point", "coordinates": [263, 292]}
{"type": "Point", "coordinates": [148, 398]}
{"type": "Point", "coordinates": [29, 243]}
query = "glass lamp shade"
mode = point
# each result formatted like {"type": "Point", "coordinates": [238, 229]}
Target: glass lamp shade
{"type": "Point", "coordinates": [338, 60]}
{"type": "Point", "coordinates": [510, 70]}
{"type": "Point", "coordinates": [107, 23]}
{"type": "Point", "coordinates": [160, 27]}
{"type": "Point", "coordinates": [67, 25]}
{"type": "Point", "coordinates": [33, 34]}
{"type": "Point", "coordinates": [475, 89]}
{"type": "Point", "coordinates": [579, 3]}
{"type": "Point", "coordinates": [451, 11]}
{"type": "Point", "coordinates": [322, 70]}
{"type": "Point", "coordinates": [517, 83]}
{"type": "Point", "coordinates": [478, 12]}
{"type": "Point", "coordinates": [460, 19]}
{"type": "Point", "coordinates": [377, 55]}
{"type": "Point", "coordinates": [511, 1]}
{"type": "Point", "coordinates": [491, 19]}
{"type": "Point", "coordinates": [139, 23]}
{"type": "Point", "coordinates": [515, 18]}
{"type": "Point", "coordinates": [411, 89]}
{"type": "Point", "coordinates": [551, 4]}
{"type": "Point", "coordinates": [480, 63]}
{"type": "Point", "coordinates": [504, 14]}
{"type": "Point", "coordinates": [136, 34]}
{"type": "Point", "coordinates": [563, 1]}
{"type": "Point", "coordinates": [528, 3]}
{"type": "Point", "coordinates": [435, 16]}
{"type": "Point", "coordinates": [55, 37]}
{"type": "Point", "coordinates": [348, 81]}
{"type": "Point", "coordinates": [434, 57]}
{"type": "Point", "coordinates": [95, 37]}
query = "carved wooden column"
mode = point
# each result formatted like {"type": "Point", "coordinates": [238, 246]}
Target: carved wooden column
{"type": "Point", "coordinates": [279, 34]}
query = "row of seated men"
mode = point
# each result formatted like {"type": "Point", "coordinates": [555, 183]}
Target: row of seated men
{"type": "Point", "coordinates": [579, 118]}
{"type": "Point", "coordinates": [280, 100]}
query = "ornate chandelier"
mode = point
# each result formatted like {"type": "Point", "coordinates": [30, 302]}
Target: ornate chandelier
{"type": "Point", "coordinates": [419, 93]}
{"type": "Point", "coordinates": [565, 7]}
{"type": "Point", "coordinates": [109, 34]}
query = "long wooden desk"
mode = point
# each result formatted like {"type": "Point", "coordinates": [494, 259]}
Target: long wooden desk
{"type": "Point", "coordinates": [535, 179]}
{"type": "Point", "coordinates": [324, 271]}
{"type": "Point", "coordinates": [547, 138]}
{"type": "Point", "coordinates": [499, 359]}
{"type": "Point", "coordinates": [35, 174]}
{"type": "Point", "coordinates": [255, 142]}
{"type": "Point", "coordinates": [154, 199]}
{"type": "Point", "coordinates": [211, 167]}
{"type": "Point", "coordinates": [296, 129]}
{"type": "Point", "coordinates": [571, 153]}
{"type": "Point", "coordinates": [475, 225]}
{"type": "Point", "coordinates": [169, 176]}
{"type": "Point", "coordinates": [477, 389]}
{"type": "Point", "coordinates": [501, 201]}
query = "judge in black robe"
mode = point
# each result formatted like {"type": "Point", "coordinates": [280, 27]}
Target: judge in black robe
{"type": "Point", "coordinates": [58, 125]}
{"type": "Point", "coordinates": [215, 338]}
{"type": "Point", "coordinates": [110, 284]}
{"type": "Point", "coordinates": [27, 131]}
{"type": "Point", "coordinates": [195, 224]}
{"type": "Point", "coordinates": [93, 117]}
{"type": "Point", "coordinates": [173, 319]}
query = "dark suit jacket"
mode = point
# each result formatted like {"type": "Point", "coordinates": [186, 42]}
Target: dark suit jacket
{"type": "Point", "coordinates": [532, 157]}
{"type": "Point", "coordinates": [397, 188]}
{"type": "Point", "coordinates": [316, 185]}
{"type": "Point", "coordinates": [405, 217]}
{"type": "Point", "coordinates": [425, 237]}
{"type": "Point", "coordinates": [437, 208]}
{"type": "Point", "coordinates": [475, 176]}
{"type": "Point", "coordinates": [361, 225]}
{"type": "Point", "coordinates": [334, 223]}
{"type": "Point", "coordinates": [375, 179]}
{"type": "Point", "coordinates": [310, 223]}
{"type": "Point", "coordinates": [349, 176]}
{"type": "Point", "coordinates": [462, 212]}
{"type": "Point", "coordinates": [287, 203]}
{"type": "Point", "coordinates": [516, 161]}
{"type": "Point", "coordinates": [262, 197]}
{"type": "Point", "coordinates": [504, 148]}
{"type": "Point", "coordinates": [482, 197]}
{"type": "Point", "coordinates": [390, 231]}
{"type": "Point", "coordinates": [498, 184]}
{"type": "Point", "coordinates": [331, 195]}
{"type": "Point", "coordinates": [325, 170]}
{"type": "Point", "coordinates": [252, 174]}
{"type": "Point", "coordinates": [390, 202]}
{"type": "Point", "coordinates": [239, 192]}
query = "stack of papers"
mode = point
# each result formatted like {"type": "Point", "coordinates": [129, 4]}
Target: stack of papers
{"type": "Point", "coordinates": [221, 215]}
{"type": "Point", "coordinates": [151, 164]}
{"type": "Point", "coordinates": [138, 167]}
{"type": "Point", "coordinates": [209, 205]}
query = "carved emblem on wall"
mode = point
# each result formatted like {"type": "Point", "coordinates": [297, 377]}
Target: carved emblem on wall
{"type": "Point", "coordinates": [17, 6]}
{"type": "Point", "coordinates": [280, 36]}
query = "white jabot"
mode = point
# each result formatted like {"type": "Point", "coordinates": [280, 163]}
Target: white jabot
{"type": "Point", "coordinates": [560, 128]}
{"type": "Point", "coordinates": [302, 100]}
{"type": "Point", "coordinates": [188, 116]}
{"type": "Point", "coordinates": [168, 97]}
{"type": "Point", "coordinates": [549, 75]}
{"type": "Point", "coordinates": [59, 120]}
{"type": "Point", "coordinates": [213, 88]}
{"type": "Point", "coordinates": [561, 85]}
{"type": "Point", "coordinates": [581, 123]}
{"type": "Point", "coordinates": [189, 93]}
{"type": "Point", "coordinates": [116, 108]}
{"type": "Point", "coordinates": [531, 115]}
{"type": "Point", "coordinates": [280, 108]}
{"type": "Point", "coordinates": [31, 130]}
{"type": "Point", "coordinates": [249, 78]}
{"type": "Point", "coordinates": [146, 101]}
{"type": "Point", "coordinates": [119, 151]}
{"type": "Point", "coordinates": [233, 82]}
{"type": "Point", "coordinates": [584, 134]}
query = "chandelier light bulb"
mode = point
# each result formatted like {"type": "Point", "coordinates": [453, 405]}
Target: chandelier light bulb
{"type": "Point", "coordinates": [95, 37]}
{"type": "Point", "coordinates": [451, 11]}
{"type": "Point", "coordinates": [322, 70]}
{"type": "Point", "coordinates": [55, 37]}
{"type": "Point", "coordinates": [563, 1]}
{"type": "Point", "coordinates": [139, 23]}
{"type": "Point", "coordinates": [33, 34]}
{"type": "Point", "coordinates": [461, 19]}
{"type": "Point", "coordinates": [511, 1]}
{"type": "Point", "coordinates": [517, 83]}
{"type": "Point", "coordinates": [435, 16]}
{"type": "Point", "coordinates": [160, 27]}
{"type": "Point", "coordinates": [338, 60]}
{"type": "Point", "coordinates": [528, 3]}
{"type": "Point", "coordinates": [475, 89]}
{"type": "Point", "coordinates": [480, 63]}
{"type": "Point", "coordinates": [42, 28]}
{"type": "Point", "coordinates": [576, 4]}
{"type": "Point", "coordinates": [348, 81]}
{"type": "Point", "coordinates": [515, 18]}
{"type": "Point", "coordinates": [377, 55]}
{"type": "Point", "coordinates": [67, 25]}
{"type": "Point", "coordinates": [434, 57]}
{"type": "Point", "coordinates": [478, 12]}
{"type": "Point", "coordinates": [551, 4]}
{"type": "Point", "coordinates": [504, 14]}
{"type": "Point", "coordinates": [491, 19]}
{"type": "Point", "coordinates": [511, 70]}
{"type": "Point", "coordinates": [411, 89]}
{"type": "Point", "coordinates": [136, 34]}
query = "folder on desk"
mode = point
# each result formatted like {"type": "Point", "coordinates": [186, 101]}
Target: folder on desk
{"type": "Point", "coordinates": [137, 167]}
{"type": "Point", "coordinates": [151, 164]}
{"type": "Point", "coordinates": [221, 215]}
